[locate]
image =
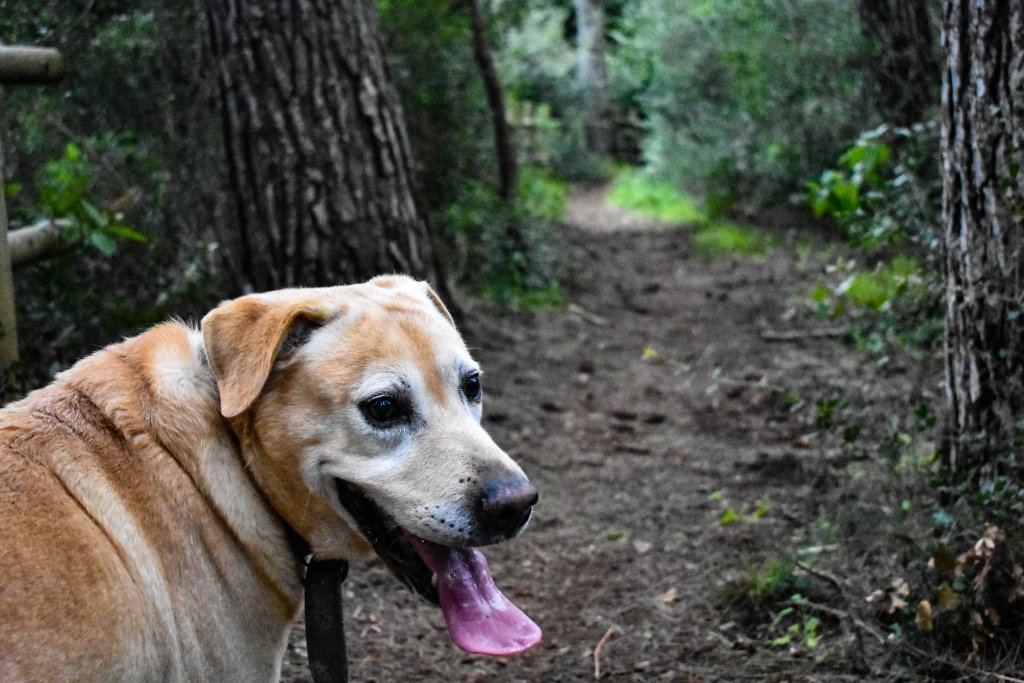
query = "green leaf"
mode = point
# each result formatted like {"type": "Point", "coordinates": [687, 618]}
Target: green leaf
{"type": "Point", "coordinates": [729, 515]}
{"type": "Point", "coordinates": [94, 215]}
{"type": "Point", "coordinates": [105, 243]}
{"type": "Point", "coordinates": [126, 233]}
{"type": "Point", "coordinates": [12, 189]}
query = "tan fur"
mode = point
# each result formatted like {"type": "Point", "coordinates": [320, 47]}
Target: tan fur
{"type": "Point", "coordinates": [145, 495]}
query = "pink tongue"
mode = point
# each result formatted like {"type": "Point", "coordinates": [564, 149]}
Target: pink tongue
{"type": "Point", "coordinates": [480, 619]}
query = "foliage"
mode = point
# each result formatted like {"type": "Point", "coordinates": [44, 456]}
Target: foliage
{"type": "Point", "coordinates": [738, 100]}
{"type": "Point", "coordinates": [65, 193]}
{"type": "Point", "coordinates": [885, 188]}
{"type": "Point", "coordinates": [430, 55]}
{"type": "Point", "coordinates": [537, 63]}
{"type": "Point", "coordinates": [123, 147]}
{"type": "Point", "coordinates": [505, 250]}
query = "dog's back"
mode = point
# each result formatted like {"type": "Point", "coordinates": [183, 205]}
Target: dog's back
{"type": "Point", "coordinates": [104, 511]}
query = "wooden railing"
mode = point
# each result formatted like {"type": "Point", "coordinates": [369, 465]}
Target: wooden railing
{"type": "Point", "coordinates": [20, 66]}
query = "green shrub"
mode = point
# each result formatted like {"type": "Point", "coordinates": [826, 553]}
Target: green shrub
{"type": "Point", "coordinates": [506, 250]}
{"type": "Point", "coordinates": [885, 188]}
{"type": "Point", "coordinates": [743, 100]}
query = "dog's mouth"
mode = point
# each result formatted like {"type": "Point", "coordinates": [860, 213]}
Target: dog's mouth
{"type": "Point", "coordinates": [480, 619]}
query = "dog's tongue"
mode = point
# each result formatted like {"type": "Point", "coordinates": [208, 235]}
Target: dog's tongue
{"type": "Point", "coordinates": [480, 619]}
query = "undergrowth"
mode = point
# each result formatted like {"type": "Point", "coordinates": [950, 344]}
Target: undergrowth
{"type": "Point", "coordinates": [714, 238]}
{"type": "Point", "coordinates": [508, 251]}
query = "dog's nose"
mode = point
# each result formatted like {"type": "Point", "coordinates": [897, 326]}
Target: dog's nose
{"type": "Point", "coordinates": [506, 506]}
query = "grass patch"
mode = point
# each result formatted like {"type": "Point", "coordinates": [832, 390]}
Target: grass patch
{"type": "Point", "coordinates": [639, 192]}
{"type": "Point", "coordinates": [877, 288]}
{"type": "Point", "coordinates": [716, 239]}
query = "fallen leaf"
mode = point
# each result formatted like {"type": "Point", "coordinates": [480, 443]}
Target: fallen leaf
{"type": "Point", "coordinates": [947, 597]}
{"type": "Point", "coordinates": [924, 616]}
{"type": "Point", "coordinates": [642, 547]}
{"type": "Point", "coordinates": [668, 596]}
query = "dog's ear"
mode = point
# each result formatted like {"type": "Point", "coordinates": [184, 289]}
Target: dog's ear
{"type": "Point", "coordinates": [438, 304]}
{"type": "Point", "coordinates": [243, 337]}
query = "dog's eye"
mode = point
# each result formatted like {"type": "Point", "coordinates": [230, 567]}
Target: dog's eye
{"type": "Point", "coordinates": [385, 410]}
{"type": "Point", "coordinates": [471, 388]}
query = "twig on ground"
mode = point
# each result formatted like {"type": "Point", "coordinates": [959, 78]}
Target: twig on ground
{"type": "Point", "coordinates": [822, 574]}
{"type": "Point", "coordinates": [1002, 678]}
{"type": "Point", "coordinates": [591, 318]}
{"type": "Point", "coordinates": [597, 652]}
{"type": "Point", "coordinates": [795, 335]}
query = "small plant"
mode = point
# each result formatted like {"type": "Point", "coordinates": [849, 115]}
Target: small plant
{"type": "Point", "coordinates": [731, 514]}
{"type": "Point", "coordinates": [792, 626]}
{"type": "Point", "coordinates": [768, 584]}
{"type": "Point", "coordinates": [65, 193]}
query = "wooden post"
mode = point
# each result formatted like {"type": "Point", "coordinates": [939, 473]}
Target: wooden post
{"type": "Point", "coordinates": [31, 65]}
{"type": "Point", "coordinates": [8, 323]}
{"type": "Point", "coordinates": [18, 65]}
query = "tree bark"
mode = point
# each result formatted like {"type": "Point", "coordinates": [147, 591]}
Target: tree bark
{"type": "Point", "coordinates": [906, 69]}
{"type": "Point", "coordinates": [503, 145]}
{"type": "Point", "coordinates": [316, 143]}
{"type": "Point", "coordinates": [983, 212]}
{"type": "Point", "coordinates": [592, 72]}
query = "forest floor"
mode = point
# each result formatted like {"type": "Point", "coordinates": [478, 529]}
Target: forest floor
{"type": "Point", "coordinates": [676, 418]}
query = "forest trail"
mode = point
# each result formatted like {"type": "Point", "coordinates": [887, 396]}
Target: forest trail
{"type": "Point", "coordinates": [643, 412]}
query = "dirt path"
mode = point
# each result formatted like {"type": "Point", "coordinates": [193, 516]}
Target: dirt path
{"type": "Point", "coordinates": [653, 391]}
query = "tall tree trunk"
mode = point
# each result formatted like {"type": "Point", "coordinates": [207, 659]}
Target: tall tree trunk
{"type": "Point", "coordinates": [592, 72]}
{"type": "Point", "coordinates": [983, 212]}
{"type": "Point", "coordinates": [316, 143]}
{"type": "Point", "coordinates": [504, 149]}
{"type": "Point", "coordinates": [906, 68]}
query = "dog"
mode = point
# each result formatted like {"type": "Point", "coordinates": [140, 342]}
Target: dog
{"type": "Point", "coordinates": [157, 498]}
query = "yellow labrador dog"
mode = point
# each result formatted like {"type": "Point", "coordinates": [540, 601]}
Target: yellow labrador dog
{"type": "Point", "coordinates": [152, 497]}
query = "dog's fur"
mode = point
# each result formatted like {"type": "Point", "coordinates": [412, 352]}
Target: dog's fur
{"type": "Point", "coordinates": [146, 495]}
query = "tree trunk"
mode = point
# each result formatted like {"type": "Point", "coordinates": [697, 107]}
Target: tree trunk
{"type": "Point", "coordinates": [503, 147]}
{"type": "Point", "coordinates": [983, 196]}
{"type": "Point", "coordinates": [592, 72]}
{"type": "Point", "coordinates": [906, 68]}
{"type": "Point", "coordinates": [316, 143]}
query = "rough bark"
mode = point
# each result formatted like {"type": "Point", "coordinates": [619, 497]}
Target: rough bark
{"type": "Point", "coordinates": [906, 69]}
{"type": "Point", "coordinates": [316, 143]}
{"type": "Point", "coordinates": [592, 72]}
{"type": "Point", "coordinates": [983, 213]}
{"type": "Point", "coordinates": [503, 145]}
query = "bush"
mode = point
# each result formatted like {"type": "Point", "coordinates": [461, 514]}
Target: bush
{"type": "Point", "coordinates": [507, 250]}
{"type": "Point", "coordinates": [885, 188]}
{"type": "Point", "coordinates": [743, 100]}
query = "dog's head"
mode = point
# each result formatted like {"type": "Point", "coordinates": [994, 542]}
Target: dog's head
{"type": "Point", "coordinates": [358, 410]}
